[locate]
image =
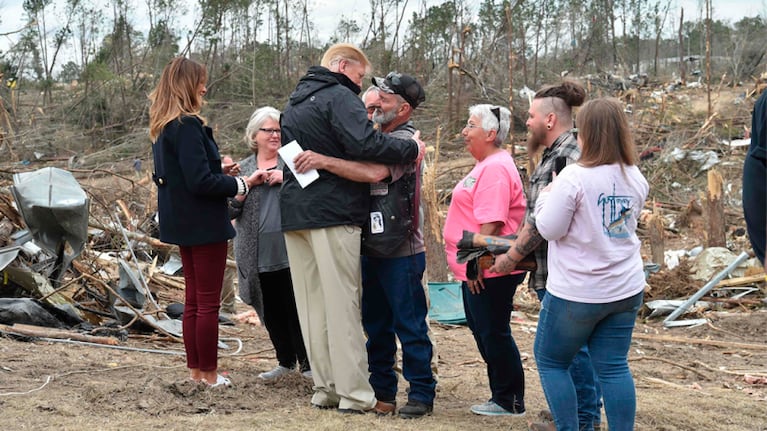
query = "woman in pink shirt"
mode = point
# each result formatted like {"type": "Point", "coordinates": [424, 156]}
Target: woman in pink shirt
{"type": "Point", "coordinates": [596, 280]}
{"type": "Point", "coordinates": [490, 200]}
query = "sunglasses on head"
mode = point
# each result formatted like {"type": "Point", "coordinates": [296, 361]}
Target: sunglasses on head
{"type": "Point", "coordinates": [497, 112]}
{"type": "Point", "coordinates": [394, 78]}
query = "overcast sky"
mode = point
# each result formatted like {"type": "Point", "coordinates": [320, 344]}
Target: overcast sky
{"type": "Point", "coordinates": [325, 14]}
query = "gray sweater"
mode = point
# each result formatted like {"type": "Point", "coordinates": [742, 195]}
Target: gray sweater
{"type": "Point", "coordinates": [246, 213]}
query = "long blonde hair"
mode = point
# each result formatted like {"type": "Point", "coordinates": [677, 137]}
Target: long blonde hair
{"type": "Point", "coordinates": [176, 94]}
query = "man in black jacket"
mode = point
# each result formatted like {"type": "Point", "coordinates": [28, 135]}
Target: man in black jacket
{"type": "Point", "coordinates": [393, 260]}
{"type": "Point", "coordinates": [754, 183]}
{"type": "Point", "coordinates": [323, 224]}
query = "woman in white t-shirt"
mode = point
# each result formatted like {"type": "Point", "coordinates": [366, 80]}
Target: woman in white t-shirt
{"type": "Point", "coordinates": [596, 282]}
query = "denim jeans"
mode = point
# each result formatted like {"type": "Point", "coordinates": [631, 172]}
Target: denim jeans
{"type": "Point", "coordinates": [563, 328]}
{"type": "Point", "coordinates": [488, 314]}
{"type": "Point", "coordinates": [394, 303]}
{"type": "Point", "coordinates": [586, 384]}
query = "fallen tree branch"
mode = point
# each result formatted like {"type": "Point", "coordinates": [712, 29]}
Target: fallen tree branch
{"type": "Point", "coordinates": [153, 242]}
{"type": "Point", "coordinates": [132, 308]}
{"type": "Point", "coordinates": [741, 281]}
{"type": "Point", "coordinates": [733, 373]}
{"type": "Point", "coordinates": [40, 331]}
{"type": "Point", "coordinates": [673, 385]}
{"type": "Point", "coordinates": [655, 358]}
{"type": "Point", "coordinates": [684, 340]}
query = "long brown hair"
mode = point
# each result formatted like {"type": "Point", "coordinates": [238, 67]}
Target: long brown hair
{"type": "Point", "coordinates": [176, 94]}
{"type": "Point", "coordinates": [604, 131]}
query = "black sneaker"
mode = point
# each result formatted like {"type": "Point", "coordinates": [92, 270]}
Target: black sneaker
{"type": "Point", "coordinates": [415, 409]}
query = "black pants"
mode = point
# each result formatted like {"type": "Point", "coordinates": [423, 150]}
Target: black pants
{"type": "Point", "coordinates": [754, 204]}
{"type": "Point", "coordinates": [488, 314]}
{"type": "Point", "coordinates": [281, 318]}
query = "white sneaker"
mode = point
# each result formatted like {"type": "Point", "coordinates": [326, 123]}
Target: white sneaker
{"type": "Point", "coordinates": [220, 381]}
{"type": "Point", "coordinates": [274, 374]}
{"type": "Point", "coordinates": [308, 375]}
{"type": "Point", "coordinates": [490, 408]}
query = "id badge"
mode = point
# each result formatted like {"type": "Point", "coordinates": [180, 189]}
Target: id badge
{"type": "Point", "coordinates": [376, 222]}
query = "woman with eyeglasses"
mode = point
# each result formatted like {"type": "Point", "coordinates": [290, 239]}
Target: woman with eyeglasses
{"type": "Point", "coordinates": [588, 214]}
{"type": "Point", "coordinates": [259, 247]}
{"type": "Point", "coordinates": [490, 200]}
{"type": "Point", "coordinates": [192, 189]}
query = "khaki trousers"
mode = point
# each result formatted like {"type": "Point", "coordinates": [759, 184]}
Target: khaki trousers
{"type": "Point", "coordinates": [325, 267]}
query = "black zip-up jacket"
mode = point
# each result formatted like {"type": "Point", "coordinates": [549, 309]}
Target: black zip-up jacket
{"type": "Point", "coordinates": [325, 115]}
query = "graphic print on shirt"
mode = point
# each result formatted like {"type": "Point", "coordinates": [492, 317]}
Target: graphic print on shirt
{"type": "Point", "coordinates": [616, 211]}
{"type": "Point", "coordinates": [469, 182]}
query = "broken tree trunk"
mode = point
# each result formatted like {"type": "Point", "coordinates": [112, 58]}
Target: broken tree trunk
{"type": "Point", "coordinates": [715, 210]}
{"type": "Point", "coordinates": [655, 225]}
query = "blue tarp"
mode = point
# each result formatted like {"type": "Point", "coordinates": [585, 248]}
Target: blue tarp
{"type": "Point", "coordinates": [446, 303]}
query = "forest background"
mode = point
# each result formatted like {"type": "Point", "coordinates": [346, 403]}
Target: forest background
{"type": "Point", "coordinates": [75, 78]}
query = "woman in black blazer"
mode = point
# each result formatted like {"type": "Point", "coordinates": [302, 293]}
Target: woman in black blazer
{"type": "Point", "coordinates": [193, 186]}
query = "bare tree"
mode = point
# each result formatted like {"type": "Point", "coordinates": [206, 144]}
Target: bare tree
{"type": "Point", "coordinates": [38, 11]}
{"type": "Point", "coordinates": [659, 20]}
{"type": "Point", "coordinates": [682, 64]}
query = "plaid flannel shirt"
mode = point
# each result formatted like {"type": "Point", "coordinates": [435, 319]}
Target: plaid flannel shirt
{"type": "Point", "coordinates": [564, 146]}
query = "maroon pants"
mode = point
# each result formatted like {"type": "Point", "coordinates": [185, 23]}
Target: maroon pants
{"type": "Point", "coordinates": [203, 274]}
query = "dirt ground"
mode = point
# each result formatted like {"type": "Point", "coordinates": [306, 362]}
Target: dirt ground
{"type": "Point", "coordinates": [681, 384]}
{"type": "Point", "coordinates": [709, 377]}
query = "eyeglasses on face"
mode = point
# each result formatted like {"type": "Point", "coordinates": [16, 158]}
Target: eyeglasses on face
{"type": "Point", "coordinates": [472, 126]}
{"type": "Point", "coordinates": [271, 131]}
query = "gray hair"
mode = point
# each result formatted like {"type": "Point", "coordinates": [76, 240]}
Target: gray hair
{"type": "Point", "coordinates": [369, 90]}
{"type": "Point", "coordinates": [257, 119]}
{"type": "Point", "coordinates": [488, 120]}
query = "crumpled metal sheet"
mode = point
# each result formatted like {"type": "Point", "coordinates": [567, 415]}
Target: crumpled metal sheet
{"type": "Point", "coordinates": [54, 207]}
{"type": "Point", "coordinates": [8, 255]}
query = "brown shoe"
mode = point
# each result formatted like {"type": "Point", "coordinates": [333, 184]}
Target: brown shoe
{"type": "Point", "coordinates": [383, 408]}
{"type": "Point", "coordinates": [543, 426]}
{"type": "Point", "coordinates": [545, 416]}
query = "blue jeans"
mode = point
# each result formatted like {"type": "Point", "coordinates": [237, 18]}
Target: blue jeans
{"type": "Point", "coordinates": [488, 314]}
{"type": "Point", "coordinates": [393, 302]}
{"type": "Point", "coordinates": [586, 384]}
{"type": "Point", "coordinates": [563, 328]}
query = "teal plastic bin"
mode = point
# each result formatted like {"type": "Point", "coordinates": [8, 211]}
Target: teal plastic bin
{"type": "Point", "coordinates": [446, 303]}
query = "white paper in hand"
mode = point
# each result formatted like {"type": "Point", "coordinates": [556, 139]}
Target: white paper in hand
{"type": "Point", "coordinates": [288, 153]}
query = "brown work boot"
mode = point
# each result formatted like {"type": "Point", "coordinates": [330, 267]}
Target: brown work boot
{"type": "Point", "coordinates": [545, 416]}
{"type": "Point", "coordinates": [543, 426]}
{"type": "Point", "coordinates": [415, 409]}
{"type": "Point", "coordinates": [384, 408]}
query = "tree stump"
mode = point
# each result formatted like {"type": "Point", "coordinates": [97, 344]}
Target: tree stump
{"type": "Point", "coordinates": [716, 236]}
